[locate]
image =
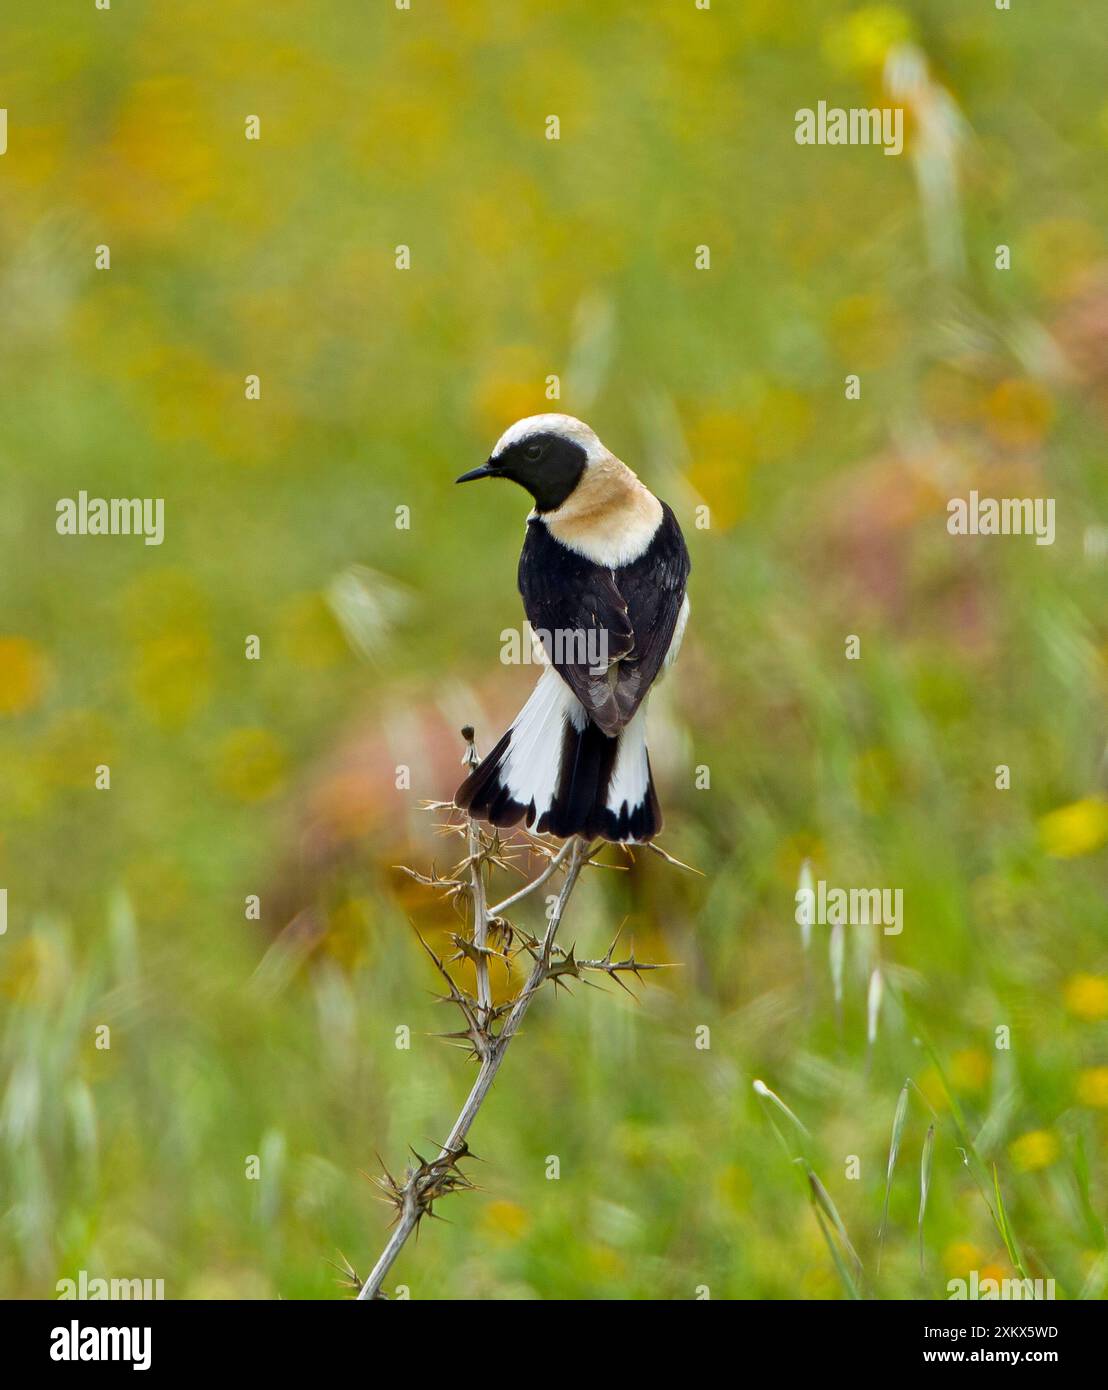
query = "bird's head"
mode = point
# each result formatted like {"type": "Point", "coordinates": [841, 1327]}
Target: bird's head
{"type": "Point", "coordinates": [546, 454]}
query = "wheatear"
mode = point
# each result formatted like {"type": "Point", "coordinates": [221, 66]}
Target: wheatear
{"type": "Point", "coordinates": [602, 574]}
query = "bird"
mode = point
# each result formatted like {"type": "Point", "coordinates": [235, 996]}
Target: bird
{"type": "Point", "coordinates": [603, 575]}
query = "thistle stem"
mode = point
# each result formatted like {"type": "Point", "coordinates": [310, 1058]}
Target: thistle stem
{"type": "Point", "coordinates": [477, 896]}
{"type": "Point", "coordinates": [535, 882]}
{"type": "Point", "coordinates": [480, 924]}
{"type": "Point", "coordinates": [411, 1208]}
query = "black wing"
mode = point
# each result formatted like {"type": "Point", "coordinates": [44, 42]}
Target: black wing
{"type": "Point", "coordinates": [579, 615]}
{"type": "Point", "coordinates": [633, 610]}
{"type": "Point", "coordinates": [653, 587]}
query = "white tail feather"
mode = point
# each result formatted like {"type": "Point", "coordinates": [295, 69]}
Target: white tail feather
{"type": "Point", "coordinates": [631, 774]}
{"type": "Point", "coordinates": [559, 772]}
{"type": "Point", "coordinates": [534, 755]}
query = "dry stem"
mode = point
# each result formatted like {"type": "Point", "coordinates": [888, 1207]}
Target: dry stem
{"type": "Point", "coordinates": [427, 1180]}
{"type": "Point", "coordinates": [435, 1178]}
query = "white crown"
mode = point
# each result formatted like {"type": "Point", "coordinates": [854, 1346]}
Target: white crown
{"type": "Point", "coordinates": [565, 425]}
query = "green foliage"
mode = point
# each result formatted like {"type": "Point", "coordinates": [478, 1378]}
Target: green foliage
{"type": "Point", "coordinates": [276, 1039]}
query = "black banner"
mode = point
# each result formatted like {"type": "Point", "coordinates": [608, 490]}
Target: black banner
{"type": "Point", "coordinates": [248, 1338]}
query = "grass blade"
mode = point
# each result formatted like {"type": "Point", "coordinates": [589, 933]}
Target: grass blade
{"type": "Point", "coordinates": [844, 1273]}
{"type": "Point", "coordinates": [825, 1207]}
{"type": "Point", "coordinates": [1084, 1195]}
{"type": "Point", "coordinates": [765, 1094]}
{"type": "Point", "coordinates": [925, 1183]}
{"type": "Point", "coordinates": [1095, 1284]}
{"type": "Point", "coordinates": [837, 952]}
{"type": "Point", "coordinates": [806, 910]}
{"type": "Point", "coordinates": [873, 1006]}
{"type": "Point", "coordinates": [1005, 1228]}
{"type": "Point", "coordinates": [899, 1118]}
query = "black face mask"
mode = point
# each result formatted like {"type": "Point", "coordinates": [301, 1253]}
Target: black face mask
{"type": "Point", "coordinates": [547, 465]}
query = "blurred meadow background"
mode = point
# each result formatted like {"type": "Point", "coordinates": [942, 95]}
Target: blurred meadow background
{"type": "Point", "coordinates": [723, 387]}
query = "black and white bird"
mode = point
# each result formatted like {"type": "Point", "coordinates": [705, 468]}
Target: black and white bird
{"type": "Point", "coordinates": [602, 574]}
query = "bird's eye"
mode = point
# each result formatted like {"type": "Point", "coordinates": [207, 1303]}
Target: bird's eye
{"type": "Point", "coordinates": [533, 452]}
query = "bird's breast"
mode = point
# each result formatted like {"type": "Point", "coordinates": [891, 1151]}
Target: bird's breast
{"type": "Point", "coordinates": [611, 534]}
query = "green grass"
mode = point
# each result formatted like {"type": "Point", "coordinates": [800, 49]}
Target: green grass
{"type": "Point", "coordinates": [725, 389]}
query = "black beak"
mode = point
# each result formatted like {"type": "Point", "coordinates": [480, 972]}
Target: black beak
{"type": "Point", "coordinates": [484, 471]}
